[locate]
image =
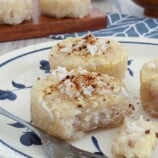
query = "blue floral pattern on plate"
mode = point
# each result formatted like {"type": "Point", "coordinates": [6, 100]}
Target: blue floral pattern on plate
{"type": "Point", "coordinates": [44, 65]}
{"type": "Point", "coordinates": [131, 73]}
{"type": "Point", "coordinates": [27, 138]}
{"type": "Point", "coordinates": [10, 94]}
{"type": "Point", "coordinates": [6, 94]}
{"type": "Point", "coordinates": [20, 86]}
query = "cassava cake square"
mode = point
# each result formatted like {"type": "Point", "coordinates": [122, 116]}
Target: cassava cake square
{"type": "Point", "coordinates": [91, 53]}
{"type": "Point", "coordinates": [69, 104]}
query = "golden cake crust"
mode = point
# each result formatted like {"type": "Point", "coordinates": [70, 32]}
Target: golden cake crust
{"type": "Point", "coordinates": [68, 104]}
{"type": "Point", "coordinates": [90, 53]}
{"type": "Point", "coordinates": [149, 87]}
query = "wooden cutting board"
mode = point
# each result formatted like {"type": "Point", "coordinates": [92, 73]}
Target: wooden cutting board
{"type": "Point", "coordinates": [49, 26]}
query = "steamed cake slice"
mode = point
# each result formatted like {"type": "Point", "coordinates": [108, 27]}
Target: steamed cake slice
{"type": "Point", "coordinates": [15, 11]}
{"type": "Point", "coordinates": [68, 104]}
{"type": "Point", "coordinates": [149, 86]}
{"type": "Point", "coordinates": [65, 8]}
{"type": "Point", "coordinates": [135, 139]}
{"type": "Point", "coordinates": [90, 53]}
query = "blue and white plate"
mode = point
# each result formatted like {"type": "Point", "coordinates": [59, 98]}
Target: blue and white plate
{"type": "Point", "coordinates": [18, 72]}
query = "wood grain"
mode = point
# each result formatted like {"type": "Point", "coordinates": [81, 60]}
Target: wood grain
{"type": "Point", "coordinates": [48, 26]}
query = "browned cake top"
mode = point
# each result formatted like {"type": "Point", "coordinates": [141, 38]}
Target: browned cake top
{"type": "Point", "coordinates": [88, 45]}
{"type": "Point", "coordinates": [82, 83]}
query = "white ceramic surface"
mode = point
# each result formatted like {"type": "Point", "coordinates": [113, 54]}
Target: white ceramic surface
{"type": "Point", "coordinates": [18, 72]}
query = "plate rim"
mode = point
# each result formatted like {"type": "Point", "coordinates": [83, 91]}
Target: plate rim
{"type": "Point", "coordinates": [20, 51]}
{"type": "Point", "coordinates": [38, 47]}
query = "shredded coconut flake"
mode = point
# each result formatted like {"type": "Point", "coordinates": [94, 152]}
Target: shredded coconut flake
{"type": "Point", "coordinates": [82, 71]}
{"type": "Point", "coordinates": [103, 91]}
{"type": "Point", "coordinates": [124, 91]}
{"type": "Point", "coordinates": [66, 50]}
{"type": "Point", "coordinates": [102, 45]}
{"type": "Point", "coordinates": [88, 90]}
{"type": "Point", "coordinates": [68, 85]}
{"type": "Point", "coordinates": [135, 126]}
{"type": "Point", "coordinates": [61, 72]}
{"type": "Point", "coordinates": [92, 49]}
{"type": "Point", "coordinates": [45, 107]}
{"type": "Point", "coordinates": [151, 65]}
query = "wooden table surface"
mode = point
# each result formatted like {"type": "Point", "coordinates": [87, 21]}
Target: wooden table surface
{"type": "Point", "coordinates": [121, 6]}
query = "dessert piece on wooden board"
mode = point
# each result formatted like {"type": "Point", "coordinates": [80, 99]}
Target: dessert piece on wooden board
{"type": "Point", "coordinates": [48, 26]}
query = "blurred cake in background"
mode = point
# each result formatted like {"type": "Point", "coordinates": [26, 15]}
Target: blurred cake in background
{"type": "Point", "coordinates": [65, 8]}
{"type": "Point", "coordinates": [15, 11]}
{"type": "Point", "coordinates": [149, 86]}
